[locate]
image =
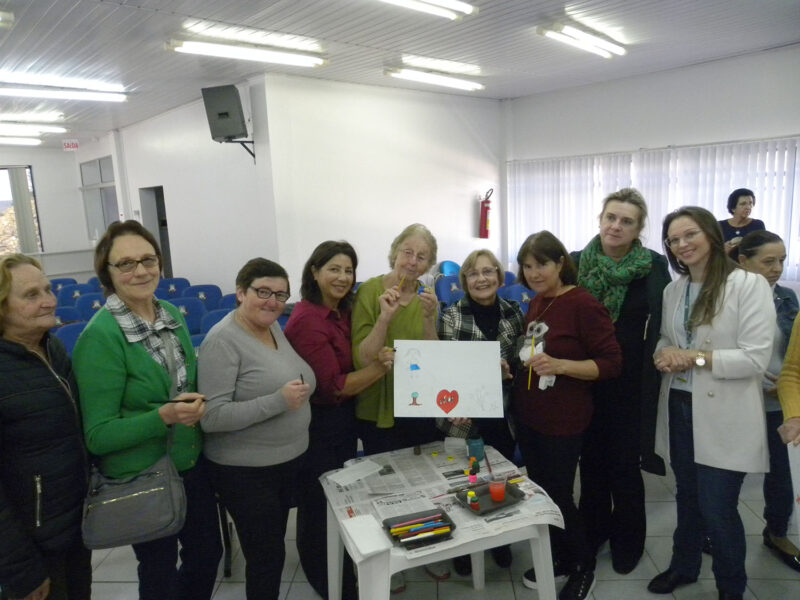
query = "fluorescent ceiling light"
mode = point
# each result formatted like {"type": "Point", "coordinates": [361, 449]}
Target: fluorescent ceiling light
{"type": "Point", "coordinates": [594, 40]}
{"type": "Point", "coordinates": [436, 64]}
{"type": "Point", "coordinates": [13, 141]}
{"type": "Point", "coordinates": [570, 41]}
{"type": "Point", "coordinates": [221, 31]}
{"type": "Point", "coordinates": [62, 94]}
{"type": "Point", "coordinates": [29, 129]}
{"type": "Point", "coordinates": [6, 19]}
{"type": "Point", "coordinates": [436, 79]}
{"type": "Point", "coordinates": [449, 9]}
{"type": "Point", "coordinates": [61, 82]}
{"type": "Point", "coordinates": [578, 38]}
{"type": "Point", "coordinates": [52, 116]}
{"type": "Point", "coordinates": [245, 53]}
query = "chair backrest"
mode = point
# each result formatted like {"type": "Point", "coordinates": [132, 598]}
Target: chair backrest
{"type": "Point", "coordinates": [69, 294]}
{"type": "Point", "coordinates": [448, 290]}
{"type": "Point", "coordinates": [510, 278]}
{"type": "Point", "coordinates": [197, 339]}
{"type": "Point", "coordinates": [227, 301]}
{"type": "Point", "coordinates": [172, 287]}
{"type": "Point", "coordinates": [449, 268]}
{"type": "Point", "coordinates": [59, 282]}
{"type": "Point", "coordinates": [69, 334]}
{"type": "Point", "coordinates": [192, 310]}
{"type": "Point", "coordinates": [95, 283]}
{"type": "Point", "coordinates": [88, 304]}
{"type": "Point", "coordinates": [518, 293]}
{"type": "Point", "coordinates": [282, 320]}
{"type": "Point", "coordinates": [208, 293]}
{"type": "Point", "coordinates": [212, 317]}
{"type": "Point", "coordinates": [66, 314]}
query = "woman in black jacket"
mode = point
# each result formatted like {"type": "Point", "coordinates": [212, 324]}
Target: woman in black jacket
{"type": "Point", "coordinates": [43, 468]}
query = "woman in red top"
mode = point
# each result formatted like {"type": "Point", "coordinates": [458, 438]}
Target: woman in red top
{"type": "Point", "coordinates": [319, 331]}
{"type": "Point", "coordinates": [573, 345]}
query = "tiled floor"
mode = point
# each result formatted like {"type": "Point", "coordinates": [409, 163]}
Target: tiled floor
{"type": "Point", "coordinates": [769, 579]}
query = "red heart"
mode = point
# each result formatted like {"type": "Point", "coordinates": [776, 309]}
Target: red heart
{"type": "Point", "coordinates": [447, 400]}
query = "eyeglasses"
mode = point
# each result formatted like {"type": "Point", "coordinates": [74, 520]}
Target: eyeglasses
{"type": "Point", "coordinates": [409, 254]}
{"type": "Point", "coordinates": [266, 294]}
{"type": "Point", "coordinates": [130, 264]}
{"type": "Point", "coordinates": [688, 237]}
{"type": "Point", "coordinates": [485, 273]}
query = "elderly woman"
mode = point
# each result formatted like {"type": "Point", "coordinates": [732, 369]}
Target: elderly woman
{"type": "Point", "coordinates": [43, 470]}
{"type": "Point", "coordinates": [482, 315]}
{"type": "Point", "coordinates": [572, 345]}
{"type": "Point", "coordinates": [763, 252]}
{"type": "Point", "coordinates": [716, 342]}
{"type": "Point", "coordinates": [629, 280]}
{"type": "Point", "coordinates": [740, 205]}
{"type": "Point", "coordinates": [122, 370]}
{"type": "Point", "coordinates": [256, 423]}
{"type": "Point", "coordinates": [319, 330]}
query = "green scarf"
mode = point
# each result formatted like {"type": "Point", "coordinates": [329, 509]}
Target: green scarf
{"type": "Point", "coordinates": [607, 280]}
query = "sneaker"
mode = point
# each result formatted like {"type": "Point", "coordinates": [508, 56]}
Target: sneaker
{"type": "Point", "coordinates": [578, 587]}
{"type": "Point", "coordinates": [559, 573]}
{"type": "Point", "coordinates": [463, 565]}
{"type": "Point", "coordinates": [397, 585]}
{"type": "Point", "coordinates": [439, 570]}
{"type": "Point", "coordinates": [502, 556]}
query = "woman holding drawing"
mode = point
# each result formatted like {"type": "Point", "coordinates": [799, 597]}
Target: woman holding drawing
{"type": "Point", "coordinates": [482, 315]}
{"type": "Point", "coordinates": [319, 331]}
{"type": "Point", "coordinates": [569, 344]}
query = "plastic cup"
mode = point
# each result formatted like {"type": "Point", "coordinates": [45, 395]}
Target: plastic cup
{"type": "Point", "coordinates": [497, 488]}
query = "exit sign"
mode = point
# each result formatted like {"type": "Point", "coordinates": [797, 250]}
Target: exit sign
{"type": "Point", "coordinates": [70, 145]}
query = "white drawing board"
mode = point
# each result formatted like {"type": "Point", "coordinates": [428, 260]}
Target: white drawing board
{"type": "Point", "coordinates": [447, 379]}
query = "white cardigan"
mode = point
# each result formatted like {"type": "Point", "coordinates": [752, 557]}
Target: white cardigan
{"type": "Point", "coordinates": [727, 402]}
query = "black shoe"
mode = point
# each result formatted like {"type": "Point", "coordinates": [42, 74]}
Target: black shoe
{"type": "Point", "coordinates": [790, 560]}
{"type": "Point", "coordinates": [707, 545]}
{"type": "Point", "coordinates": [502, 556]}
{"type": "Point", "coordinates": [666, 582]}
{"type": "Point", "coordinates": [463, 565]}
{"type": "Point", "coordinates": [559, 574]}
{"type": "Point", "coordinates": [624, 562]}
{"type": "Point", "coordinates": [578, 586]}
{"type": "Point", "coordinates": [729, 596]}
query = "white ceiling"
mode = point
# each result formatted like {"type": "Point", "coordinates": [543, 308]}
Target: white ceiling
{"type": "Point", "coordinates": [123, 41]}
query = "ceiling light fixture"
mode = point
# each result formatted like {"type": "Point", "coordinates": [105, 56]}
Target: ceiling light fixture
{"type": "Point", "coordinates": [222, 31]}
{"type": "Point", "coordinates": [437, 64]}
{"type": "Point", "coordinates": [59, 82]}
{"type": "Point", "coordinates": [62, 94]}
{"type": "Point", "coordinates": [242, 52]}
{"type": "Point", "coordinates": [590, 42]}
{"type": "Point", "coordinates": [15, 141]}
{"type": "Point", "coordinates": [29, 129]}
{"type": "Point", "coordinates": [52, 116]}
{"type": "Point", "coordinates": [449, 9]}
{"type": "Point", "coordinates": [435, 79]}
{"type": "Point", "coordinates": [6, 19]}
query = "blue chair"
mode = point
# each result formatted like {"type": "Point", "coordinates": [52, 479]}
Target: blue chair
{"type": "Point", "coordinates": [192, 310]}
{"type": "Point", "coordinates": [449, 268]}
{"type": "Point", "coordinates": [69, 334]}
{"type": "Point", "coordinates": [60, 282]}
{"type": "Point", "coordinates": [197, 339]}
{"type": "Point", "coordinates": [448, 290]}
{"type": "Point", "coordinates": [95, 283]}
{"type": "Point", "coordinates": [172, 287]}
{"type": "Point", "coordinates": [228, 301]}
{"type": "Point", "coordinates": [510, 278]}
{"type": "Point", "coordinates": [66, 314]}
{"type": "Point", "coordinates": [282, 320]}
{"type": "Point", "coordinates": [69, 294]}
{"type": "Point", "coordinates": [88, 304]}
{"type": "Point", "coordinates": [209, 294]}
{"type": "Point", "coordinates": [519, 293]}
{"type": "Point", "coordinates": [212, 317]}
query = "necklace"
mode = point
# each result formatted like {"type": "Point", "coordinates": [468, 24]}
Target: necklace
{"type": "Point", "coordinates": [541, 314]}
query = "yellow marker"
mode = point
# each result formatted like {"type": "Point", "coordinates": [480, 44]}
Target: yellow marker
{"type": "Point", "coordinates": [450, 458]}
{"type": "Point", "coordinates": [402, 280]}
{"type": "Point", "coordinates": [434, 453]}
{"type": "Point", "coordinates": [530, 367]}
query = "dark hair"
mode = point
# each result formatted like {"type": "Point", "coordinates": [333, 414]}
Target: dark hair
{"type": "Point", "coordinates": [750, 243]}
{"type": "Point", "coordinates": [309, 288]}
{"type": "Point", "coordinates": [544, 247]}
{"type": "Point", "coordinates": [733, 199]}
{"type": "Point", "coordinates": [631, 196]}
{"type": "Point", "coordinates": [718, 267]}
{"type": "Point", "coordinates": [255, 268]}
{"type": "Point", "coordinates": [104, 245]}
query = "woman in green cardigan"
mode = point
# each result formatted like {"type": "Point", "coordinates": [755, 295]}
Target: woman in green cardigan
{"type": "Point", "coordinates": [121, 367]}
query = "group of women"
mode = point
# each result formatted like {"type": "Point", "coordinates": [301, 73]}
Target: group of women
{"type": "Point", "coordinates": [261, 413]}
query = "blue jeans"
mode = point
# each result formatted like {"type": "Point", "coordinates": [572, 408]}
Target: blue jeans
{"type": "Point", "coordinates": [706, 500]}
{"type": "Point", "coordinates": [778, 494]}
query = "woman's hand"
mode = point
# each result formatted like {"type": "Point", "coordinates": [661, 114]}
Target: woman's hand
{"type": "Point", "coordinates": [790, 431]}
{"type": "Point", "coordinates": [296, 393]}
{"type": "Point", "coordinates": [187, 409]}
{"type": "Point", "coordinates": [385, 358]}
{"type": "Point", "coordinates": [544, 364]}
{"type": "Point", "coordinates": [41, 592]}
{"type": "Point", "coordinates": [505, 369]}
{"type": "Point", "coordinates": [389, 301]}
{"type": "Point", "coordinates": [429, 303]}
{"type": "Point", "coordinates": [770, 384]}
{"type": "Point", "coordinates": [674, 360]}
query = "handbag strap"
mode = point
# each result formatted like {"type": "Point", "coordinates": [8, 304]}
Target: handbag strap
{"type": "Point", "coordinates": [169, 351]}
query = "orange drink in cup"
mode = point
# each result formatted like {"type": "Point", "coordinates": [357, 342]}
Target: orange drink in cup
{"type": "Point", "coordinates": [497, 488]}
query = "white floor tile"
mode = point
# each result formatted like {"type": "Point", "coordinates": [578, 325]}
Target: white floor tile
{"type": "Point", "coordinates": [624, 590]}
{"type": "Point", "coordinates": [301, 590]}
{"type": "Point", "coordinates": [463, 590]}
{"type": "Point", "coordinates": [119, 565]}
{"type": "Point", "coordinates": [236, 591]}
{"type": "Point", "coordinates": [115, 591]}
{"type": "Point", "coordinates": [769, 589]}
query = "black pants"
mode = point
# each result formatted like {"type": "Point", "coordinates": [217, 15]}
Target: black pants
{"type": "Point", "coordinates": [258, 500]}
{"type": "Point", "coordinates": [332, 441]}
{"type": "Point", "coordinates": [159, 576]}
{"type": "Point", "coordinates": [551, 462]}
{"type": "Point", "coordinates": [70, 574]}
{"type": "Point", "coordinates": [612, 489]}
{"type": "Point", "coordinates": [405, 433]}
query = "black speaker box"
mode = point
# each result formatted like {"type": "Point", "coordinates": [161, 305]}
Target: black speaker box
{"type": "Point", "coordinates": [224, 112]}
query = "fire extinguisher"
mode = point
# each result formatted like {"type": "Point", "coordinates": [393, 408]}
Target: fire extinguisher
{"type": "Point", "coordinates": [484, 226]}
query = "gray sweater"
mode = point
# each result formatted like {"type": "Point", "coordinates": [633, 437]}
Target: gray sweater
{"type": "Point", "coordinates": [247, 421]}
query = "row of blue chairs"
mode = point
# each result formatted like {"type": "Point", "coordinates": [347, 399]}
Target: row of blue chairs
{"type": "Point", "coordinates": [448, 291]}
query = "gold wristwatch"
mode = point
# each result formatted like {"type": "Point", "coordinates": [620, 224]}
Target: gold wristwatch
{"type": "Point", "coordinates": [700, 359]}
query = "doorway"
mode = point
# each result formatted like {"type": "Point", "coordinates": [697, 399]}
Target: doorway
{"type": "Point", "coordinates": [154, 219]}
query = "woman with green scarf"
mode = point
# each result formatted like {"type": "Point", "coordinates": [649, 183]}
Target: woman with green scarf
{"type": "Point", "coordinates": [628, 279]}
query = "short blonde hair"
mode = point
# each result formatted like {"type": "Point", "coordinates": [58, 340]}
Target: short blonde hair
{"type": "Point", "coordinates": [414, 230]}
{"type": "Point", "coordinates": [470, 261]}
{"type": "Point", "coordinates": [8, 263]}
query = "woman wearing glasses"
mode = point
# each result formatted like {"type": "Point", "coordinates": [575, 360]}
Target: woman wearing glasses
{"type": "Point", "coordinates": [256, 421]}
{"type": "Point", "coordinates": [716, 343]}
{"type": "Point", "coordinates": [121, 365]}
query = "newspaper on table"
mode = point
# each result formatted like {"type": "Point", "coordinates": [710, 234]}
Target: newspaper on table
{"type": "Point", "coordinates": [409, 483]}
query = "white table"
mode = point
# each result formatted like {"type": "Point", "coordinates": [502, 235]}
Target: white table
{"type": "Point", "coordinates": [374, 571]}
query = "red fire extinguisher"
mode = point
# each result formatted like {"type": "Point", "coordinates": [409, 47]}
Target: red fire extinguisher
{"type": "Point", "coordinates": [484, 226]}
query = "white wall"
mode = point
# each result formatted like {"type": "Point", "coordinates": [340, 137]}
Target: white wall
{"type": "Point", "coordinates": [754, 96]}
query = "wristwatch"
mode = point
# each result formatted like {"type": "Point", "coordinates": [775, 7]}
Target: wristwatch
{"type": "Point", "coordinates": [700, 359]}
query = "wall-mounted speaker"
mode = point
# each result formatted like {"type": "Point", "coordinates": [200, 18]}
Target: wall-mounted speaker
{"type": "Point", "coordinates": [224, 112]}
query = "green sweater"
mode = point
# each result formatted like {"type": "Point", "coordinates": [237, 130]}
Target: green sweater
{"type": "Point", "coordinates": [121, 389]}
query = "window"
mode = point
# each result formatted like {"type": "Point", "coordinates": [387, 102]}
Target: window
{"type": "Point", "coordinates": [99, 196]}
{"type": "Point", "coordinates": [19, 220]}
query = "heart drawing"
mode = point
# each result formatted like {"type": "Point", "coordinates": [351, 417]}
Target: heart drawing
{"type": "Point", "coordinates": [447, 400]}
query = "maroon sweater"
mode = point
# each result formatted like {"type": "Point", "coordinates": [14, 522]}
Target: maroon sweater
{"type": "Point", "coordinates": [580, 328]}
